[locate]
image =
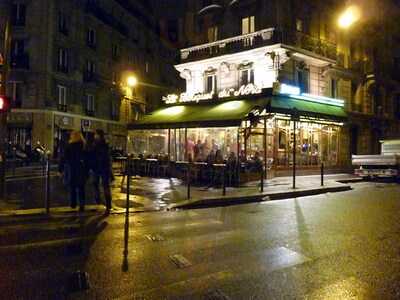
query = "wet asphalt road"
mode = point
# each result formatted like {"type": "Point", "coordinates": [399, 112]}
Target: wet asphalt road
{"type": "Point", "coordinates": [334, 246]}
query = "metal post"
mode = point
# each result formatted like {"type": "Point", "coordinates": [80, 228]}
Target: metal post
{"type": "Point", "coordinates": [175, 146]}
{"type": "Point", "coordinates": [322, 174]}
{"type": "Point", "coordinates": [262, 180]}
{"type": "Point", "coordinates": [47, 204]}
{"type": "Point", "coordinates": [186, 146]}
{"type": "Point", "coordinates": [238, 158]}
{"type": "Point", "coordinates": [265, 147]}
{"type": "Point", "coordinates": [188, 180]}
{"type": "Point", "coordinates": [294, 153]}
{"type": "Point", "coordinates": [224, 180]}
{"type": "Point", "coordinates": [169, 144]}
{"type": "Point", "coordinates": [128, 187]}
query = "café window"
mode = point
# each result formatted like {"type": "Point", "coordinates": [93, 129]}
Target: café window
{"type": "Point", "coordinates": [210, 83]}
{"type": "Point", "coordinates": [248, 25]}
{"type": "Point", "coordinates": [246, 76]}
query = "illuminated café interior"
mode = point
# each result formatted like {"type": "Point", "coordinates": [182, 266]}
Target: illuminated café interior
{"type": "Point", "coordinates": [246, 124]}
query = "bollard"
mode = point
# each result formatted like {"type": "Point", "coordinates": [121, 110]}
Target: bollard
{"type": "Point", "coordinates": [262, 180]}
{"type": "Point", "coordinates": [47, 180]}
{"type": "Point", "coordinates": [224, 180]}
{"type": "Point", "coordinates": [322, 174]}
{"type": "Point", "coordinates": [188, 180]}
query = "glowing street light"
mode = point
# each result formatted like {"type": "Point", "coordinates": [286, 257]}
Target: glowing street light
{"type": "Point", "coordinates": [349, 17]}
{"type": "Point", "coordinates": [131, 81]}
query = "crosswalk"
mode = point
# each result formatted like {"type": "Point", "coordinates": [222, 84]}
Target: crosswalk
{"type": "Point", "coordinates": [178, 253]}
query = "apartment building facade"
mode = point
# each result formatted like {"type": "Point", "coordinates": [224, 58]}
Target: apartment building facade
{"type": "Point", "coordinates": [67, 64]}
{"type": "Point", "coordinates": [225, 44]}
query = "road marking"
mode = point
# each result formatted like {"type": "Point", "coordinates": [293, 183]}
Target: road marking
{"type": "Point", "coordinates": [53, 243]}
{"type": "Point", "coordinates": [155, 237]}
{"type": "Point", "coordinates": [180, 261]}
{"type": "Point", "coordinates": [216, 295]}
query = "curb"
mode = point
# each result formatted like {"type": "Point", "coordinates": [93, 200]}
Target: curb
{"type": "Point", "coordinates": [232, 200]}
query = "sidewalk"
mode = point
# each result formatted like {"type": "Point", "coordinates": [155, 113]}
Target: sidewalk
{"type": "Point", "coordinates": [172, 194]}
{"type": "Point", "coordinates": [158, 194]}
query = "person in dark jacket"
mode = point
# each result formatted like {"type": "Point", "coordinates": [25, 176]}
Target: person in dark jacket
{"type": "Point", "coordinates": [102, 169]}
{"type": "Point", "coordinates": [73, 167]}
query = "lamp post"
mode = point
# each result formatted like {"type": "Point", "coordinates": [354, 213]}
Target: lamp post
{"type": "Point", "coordinates": [350, 16]}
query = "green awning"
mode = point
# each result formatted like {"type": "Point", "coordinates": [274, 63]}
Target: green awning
{"type": "Point", "coordinates": [231, 113]}
{"type": "Point", "coordinates": [305, 108]}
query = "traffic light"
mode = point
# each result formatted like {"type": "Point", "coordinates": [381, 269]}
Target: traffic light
{"type": "Point", "coordinates": [4, 103]}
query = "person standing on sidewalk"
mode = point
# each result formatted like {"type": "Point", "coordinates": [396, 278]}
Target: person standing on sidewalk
{"type": "Point", "coordinates": [102, 169]}
{"type": "Point", "coordinates": [73, 167]}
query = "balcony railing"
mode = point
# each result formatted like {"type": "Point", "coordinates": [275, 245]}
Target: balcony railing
{"type": "Point", "coordinates": [62, 107]}
{"type": "Point", "coordinates": [89, 112]}
{"type": "Point", "coordinates": [258, 39]}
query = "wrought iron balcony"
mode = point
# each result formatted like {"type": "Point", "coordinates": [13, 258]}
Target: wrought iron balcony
{"type": "Point", "coordinates": [258, 39]}
{"type": "Point", "coordinates": [62, 107]}
{"type": "Point", "coordinates": [90, 112]}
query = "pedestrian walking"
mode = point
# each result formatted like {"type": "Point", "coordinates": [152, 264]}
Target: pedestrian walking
{"type": "Point", "coordinates": [73, 168]}
{"type": "Point", "coordinates": [102, 168]}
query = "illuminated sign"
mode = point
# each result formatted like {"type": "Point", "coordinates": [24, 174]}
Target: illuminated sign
{"type": "Point", "coordinates": [286, 89]}
{"type": "Point", "coordinates": [294, 92]}
{"type": "Point", "coordinates": [249, 89]}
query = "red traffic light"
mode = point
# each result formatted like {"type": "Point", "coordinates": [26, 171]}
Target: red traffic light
{"type": "Point", "coordinates": [4, 103]}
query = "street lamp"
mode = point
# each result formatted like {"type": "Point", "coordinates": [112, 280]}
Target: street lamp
{"type": "Point", "coordinates": [131, 81]}
{"type": "Point", "coordinates": [349, 17]}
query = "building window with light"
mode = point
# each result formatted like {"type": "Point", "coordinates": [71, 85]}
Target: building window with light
{"type": "Point", "coordinates": [62, 97]}
{"type": "Point", "coordinates": [62, 65]}
{"type": "Point", "coordinates": [90, 105]}
{"type": "Point", "coordinates": [91, 37]}
{"type": "Point", "coordinates": [248, 25]}
{"type": "Point", "coordinates": [15, 93]}
{"type": "Point", "coordinates": [212, 34]}
{"type": "Point", "coordinates": [18, 14]}
{"type": "Point", "coordinates": [246, 76]}
{"type": "Point", "coordinates": [299, 25]}
{"type": "Point", "coordinates": [302, 79]}
{"type": "Point", "coordinates": [210, 81]}
{"type": "Point", "coordinates": [334, 88]}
